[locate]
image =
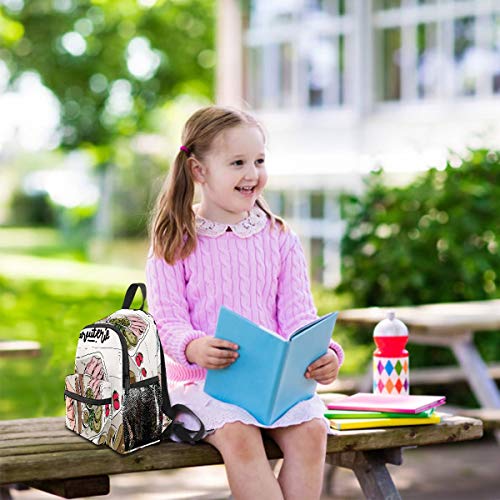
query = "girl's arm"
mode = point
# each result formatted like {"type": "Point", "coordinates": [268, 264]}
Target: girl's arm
{"type": "Point", "coordinates": [167, 302]}
{"type": "Point", "coordinates": [295, 305]}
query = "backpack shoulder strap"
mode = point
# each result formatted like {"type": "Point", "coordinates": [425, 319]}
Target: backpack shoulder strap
{"type": "Point", "coordinates": [130, 294]}
{"type": "Point", "coordinates": [178, 429]}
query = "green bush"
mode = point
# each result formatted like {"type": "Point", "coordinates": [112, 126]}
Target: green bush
{"type": "Point", "coordinates": [31, 209]}
{"type": "Point", "coordinates": [434, 240]}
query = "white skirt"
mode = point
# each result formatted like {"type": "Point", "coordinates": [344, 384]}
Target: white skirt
{"type": "Point", "coordinates": [214, 413]}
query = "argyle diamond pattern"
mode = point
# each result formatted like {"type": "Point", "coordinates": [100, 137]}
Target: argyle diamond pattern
{"type": "Point", "coordinates": [391, 375]}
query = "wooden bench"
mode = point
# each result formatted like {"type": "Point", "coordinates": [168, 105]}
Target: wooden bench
{"type": "Point", "coordinates": [43, 454]}
{"type": "Point", "coordinates": [19, 349]}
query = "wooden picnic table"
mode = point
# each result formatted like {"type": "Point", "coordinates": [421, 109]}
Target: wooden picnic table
{"type": "Point", "coordinates": [450, 325]}
{"type": "Point", "coordinates": [19, 348]}
{"type": "Point", "coordinates": [43, 454]}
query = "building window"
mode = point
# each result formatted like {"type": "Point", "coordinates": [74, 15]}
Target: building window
{"type": "Point", "coordinates": [317, 203]}
{"type": "Point", "coordinates": [423, 53]}
{"type": "Point", "coordinates": [496, 53]}
{"type": "Point", "coordinates": [296, 59]}
{"type": "Point", "coordinates": [273, 199]}
{"type": "Point", "coordinates": [308, 53]}
{"type": "Point", "coordinates": [429, 68]}
{"type": "Point", "coordinates": [317, 259]}
{"type": "Point", "coordinates": [262, 12]}
{"type": "Point", "coordinates": [325, 61]}
{"type": "Point", "coordinates": [466, 56]}
{"type": "Point", "coordinates": [390, 67]}
{"type": "Point", "coordinates": [332, 7]}
{"type": "Point", "coordinates": [281, 203]}
{"type": "Point", "coordinates": [270, 75]}
{"type": "Point", "coordinates": [387, 4]}
{"type": "Point", "coordinates": [254, 76]}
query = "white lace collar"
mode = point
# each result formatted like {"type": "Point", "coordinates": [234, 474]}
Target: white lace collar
{"type": "Point", "coordinates": [249, 226]}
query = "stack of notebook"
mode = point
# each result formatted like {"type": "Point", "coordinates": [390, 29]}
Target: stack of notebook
{"type": "Point", "coordinates": [366, 410]}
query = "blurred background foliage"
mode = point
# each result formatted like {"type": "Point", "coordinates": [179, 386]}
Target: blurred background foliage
{"type": "Point", "coordinates": [117, 71]}
{"type": "Point", "coordinates": [124, 77]}
{"type": "Point", "coordinates": [433, 240]}
{"type": "Point", "coordinates": [110, 63]}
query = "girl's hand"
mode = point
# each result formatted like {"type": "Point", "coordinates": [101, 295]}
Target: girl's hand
{"type": "Point", "coordinates": [209, 352]}
{"type": "Point", "coordinates": [325, 369]}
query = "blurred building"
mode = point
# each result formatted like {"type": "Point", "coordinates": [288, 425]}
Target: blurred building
{"type": "Point", "coordinates": [344, 85]}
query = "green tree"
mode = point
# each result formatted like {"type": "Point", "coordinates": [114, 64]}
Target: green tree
{"type": "Point", "coordinates": [110, 62]}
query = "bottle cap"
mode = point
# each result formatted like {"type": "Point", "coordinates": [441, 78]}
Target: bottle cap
{"type": "Point", "coordinates": [390, 327]}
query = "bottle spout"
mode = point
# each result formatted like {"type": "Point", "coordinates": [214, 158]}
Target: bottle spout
{"type": "Point", "coordinates": [390, 327]}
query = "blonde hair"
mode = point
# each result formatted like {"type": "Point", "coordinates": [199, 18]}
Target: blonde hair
{"type": "Point", "coordinates": [173, 229]}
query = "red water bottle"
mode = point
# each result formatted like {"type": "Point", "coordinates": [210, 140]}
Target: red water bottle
{"type": "Point", "coordinates": [391, 369]}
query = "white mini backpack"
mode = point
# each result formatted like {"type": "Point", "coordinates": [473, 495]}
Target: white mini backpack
{"type": "Point", "coordinates": [118, 394]}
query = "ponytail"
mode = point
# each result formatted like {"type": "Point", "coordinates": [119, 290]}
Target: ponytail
{"type": "Point", "coordinates": [173, 228]}
{"type": "Point", "coordinates": [262, 204]}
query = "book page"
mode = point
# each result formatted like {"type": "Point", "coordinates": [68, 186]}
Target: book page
{"type": "Point", "coordinates": [304, 328]}
{"type": "Point", "coordinates": [302, 351]}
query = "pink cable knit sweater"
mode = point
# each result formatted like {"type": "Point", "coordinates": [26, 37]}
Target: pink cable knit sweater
{"type": "Point", "coordinates": [260, 274]}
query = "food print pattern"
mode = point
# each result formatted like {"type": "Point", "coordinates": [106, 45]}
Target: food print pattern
{"type": "Point", "coordinates": [99, 374]}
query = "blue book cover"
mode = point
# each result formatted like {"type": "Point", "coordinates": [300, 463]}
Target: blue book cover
{"type": "Point", "coordinates": [267, 378]}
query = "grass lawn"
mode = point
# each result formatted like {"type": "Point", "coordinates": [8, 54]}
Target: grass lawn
{"type": "Point", "coordinates": [52, 313]}
{"type": "Point", "coordinates": [47, 294]}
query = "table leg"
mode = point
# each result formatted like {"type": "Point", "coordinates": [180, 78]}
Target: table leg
{"type": "Point", "coordinates": [475, 369]}
{"type": "Point", "coordinates": [74, 487]}
{"type": "Point", "coordinates": [482, 384]}
{"type": "Point", "coordinates": [5, 493]}
{"type": "Point", "coordinates": [473, 366]}
{"type": "Point", "coordinates": [371, 471]}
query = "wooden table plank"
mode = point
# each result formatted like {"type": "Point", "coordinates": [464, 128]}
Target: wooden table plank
{"type": "Point", "coordinates": [19, 349]}
{"type": "Point", "coordinates": [449, 317]}
{"type": "Point", "coordinates": [35, 424]}
{"type": "Point", "coordinates": [73, 454]}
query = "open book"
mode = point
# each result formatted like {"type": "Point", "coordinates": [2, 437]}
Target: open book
{"type": "Point", "coordinates": [268, 377]}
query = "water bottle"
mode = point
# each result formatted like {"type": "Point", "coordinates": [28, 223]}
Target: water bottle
{"type": "Point", "coordinates": [391, 367]}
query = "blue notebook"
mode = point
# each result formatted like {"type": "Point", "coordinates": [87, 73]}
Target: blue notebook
{"type": "Point", "coordinates": [267, 378]}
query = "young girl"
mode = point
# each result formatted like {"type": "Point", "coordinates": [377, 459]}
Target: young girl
{"type": "Point", "coordinates": [231, 250]}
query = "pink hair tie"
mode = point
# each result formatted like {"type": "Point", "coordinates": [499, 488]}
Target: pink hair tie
{"type": "Point", "coordinates": [185, 149]}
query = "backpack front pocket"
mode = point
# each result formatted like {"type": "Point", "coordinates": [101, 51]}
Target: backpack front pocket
{"type": "Point", "coordinates": [88, 405]}
{"type": "Point", "coordinates": [142, 415]}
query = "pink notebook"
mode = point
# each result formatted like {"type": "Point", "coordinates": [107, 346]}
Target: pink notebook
{"type": "Point", "coordinates": [385, 402]}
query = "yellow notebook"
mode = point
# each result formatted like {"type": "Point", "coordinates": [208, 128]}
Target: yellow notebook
{"type": "Point", "coordinates": [342, 424]}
